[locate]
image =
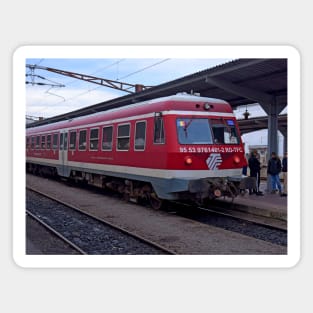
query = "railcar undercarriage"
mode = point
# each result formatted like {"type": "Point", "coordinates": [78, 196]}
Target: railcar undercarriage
{"type": "Point", "coordinates": [156, 193]}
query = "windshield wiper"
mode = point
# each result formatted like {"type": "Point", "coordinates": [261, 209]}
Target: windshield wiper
{"type": "Point", "coordinates": [186, 126]}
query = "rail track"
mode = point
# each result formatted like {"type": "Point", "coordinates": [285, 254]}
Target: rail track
{"type": "Point", "coordinates": [266, 222]}
{"type": "Point", "coordinates": [85, 232]}
{"type": "Point", "coordinates": [48, 239]}
{"type": "Point", "coordinates": [179, 230]}
{"type": "Point", "coordinates": [263, 228]}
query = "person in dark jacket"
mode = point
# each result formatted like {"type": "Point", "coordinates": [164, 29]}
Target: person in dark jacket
{"type": "Point", "coordinates": [285, 178]}
{"type": "Point", "coordinates": [273, 169]}
{"type": "Point", "coordinates": [255, 169]}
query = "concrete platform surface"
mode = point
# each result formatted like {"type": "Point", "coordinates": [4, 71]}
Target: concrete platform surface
{"type": "Point", "coordinates": [268, 205]}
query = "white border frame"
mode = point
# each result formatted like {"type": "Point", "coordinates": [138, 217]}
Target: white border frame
{"type": "Point", "coordinates": [186, 261]}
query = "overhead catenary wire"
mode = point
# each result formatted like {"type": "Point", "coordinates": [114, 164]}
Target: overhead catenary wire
{"type": "Point", "coordinates": [101, 69]}
{"type": "Point", "coordinates": [55, 85]}
{"type": "Point", "coordinates": [130, 74]}
{"type": "Point", "coordinates": [145, 68]}
{"type": "Point", "coordinates": [97, 71]}
{"type": "Point", "coordinates": [52, 83]}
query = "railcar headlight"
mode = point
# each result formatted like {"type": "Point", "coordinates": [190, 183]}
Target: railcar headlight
{"type": "Point", "coordinates": [236, 159]}
{"type": "Point", "coordinates": [217, 193]}
{"type": "Point", "coordinates": [207, 106]}
{"type": "Point", "coordinates": [188, 160]}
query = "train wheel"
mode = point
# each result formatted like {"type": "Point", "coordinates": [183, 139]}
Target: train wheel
{"type": "Point", "coordinates": [155, 202]}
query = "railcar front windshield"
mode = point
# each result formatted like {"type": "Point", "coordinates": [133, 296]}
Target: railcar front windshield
{"type": "Point", "coordinates": [194, 131]}
{"type": "Point", "coordinates": [224, 131]}
{"type": "Point", "coordinates": [206, 131]}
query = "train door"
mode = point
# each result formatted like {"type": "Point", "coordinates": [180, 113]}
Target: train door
{"type": "Point", "coordinates": [63, 153]}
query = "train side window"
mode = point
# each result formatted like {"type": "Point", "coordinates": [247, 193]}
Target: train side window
{"type": "Point", "coordinates": [61, 141]}
{"type": "Point", "coordinates": [33, 142]}
{"type": "Point", "coordinates": [159, 130]}
{"type": "Point", "coordinates": [55, 142]}
{"type": "Point", "coordinates": [27, 142]}
{"type": "Point", "coordinates": [37, 142]}
{"type": "Point", "coordinates": [43, 142]}
{"type": "Point", "coordinates": [73, 140]}
{"type": "Point", "coordinates": [140, 136]}
{"type": "Point", "coordinates": [94, 139]}
{"type": "Point", "coordinates": [82, 140]}
{"type": "Point", "coordinates": [123, 137]}
{"type": "Point", "coordinates": [65, 141]}
{"type": "Point", "coordinates": [48, 142]}
{"type": "Point", "coordinates": [107, 136]}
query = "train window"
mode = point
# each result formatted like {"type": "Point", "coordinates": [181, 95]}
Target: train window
{"type": "Point", "coordinates": [194, 131]}
{"type": "Point", "coordinates": [158, 130]}
{"type": "Point", "coordinates": [224, 131]}
{"type": "Point", "coordinates": [43, 142]}
{"type": "Point", "coordinates": [123, 137]}
{"type": "Point", "coordinates": [55, 141]}
{"type": "Point", "coordinates": [65, 141]}
{"type": "Point", "coordinates": [73, 140]}
{"type": "Point", "coordinates": [94, 139]}
{"type": "Point", "coordinates": [33, 142]}
{"type": "Point", "coordinates": [61, 141]}
{"type": "Point", "coordinates": [48, 142]}
{"type": "Point", "coordinates": [107, 136]}
{"type": "Point", "coordinates": [140, 135]}
{"type": "Point", "coordinates": [37, 142]}
{"type": "Point", "coordinates": [82, 140]}
{"type": "Point", "coordinates": [27, 142]}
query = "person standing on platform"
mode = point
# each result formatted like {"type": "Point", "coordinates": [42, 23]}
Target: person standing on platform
{"type": "Point", "coordinates": [273, 169]}
{"type": "Point", "coordinates": [285, 178]}
{"type": "Point", "coordinates": [244, 173]}
{"type": "Point", "coordinates": [255, 169]}
{"type": "Point", "coordinates": [245, 168]}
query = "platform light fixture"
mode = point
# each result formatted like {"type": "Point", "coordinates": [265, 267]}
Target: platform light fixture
{"type": "Point", "coordinates": [246, 114]}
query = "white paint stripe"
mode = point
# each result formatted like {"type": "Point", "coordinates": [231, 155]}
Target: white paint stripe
{"type": "Point", "coordinates": [148, 172]}
{"type": "Point", "coordinates": [198, 113]}
{"type": "Point", "coordinates": [43, 160]}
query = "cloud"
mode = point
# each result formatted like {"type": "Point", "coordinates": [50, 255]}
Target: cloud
{"type": "Point", "coordinates": [45, 102]}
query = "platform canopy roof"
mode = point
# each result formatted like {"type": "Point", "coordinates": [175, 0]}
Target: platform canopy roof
{"type": "Point", "coordinates": [261, 122]}
{"type": "Point", "coordinates": [239, 82]}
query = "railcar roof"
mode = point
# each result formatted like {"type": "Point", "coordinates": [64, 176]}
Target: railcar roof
{"type": "Point", "coordinates": [154, 105]}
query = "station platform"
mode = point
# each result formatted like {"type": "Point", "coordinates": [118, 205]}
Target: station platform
{"type": "Point", "coordinates": [268, 205]}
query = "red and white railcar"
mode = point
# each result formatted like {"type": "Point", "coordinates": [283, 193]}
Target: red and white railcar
{"type": "Point", "coordinates": [175, 148]}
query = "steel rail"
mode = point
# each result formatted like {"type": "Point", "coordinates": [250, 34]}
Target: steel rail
{"type": "Point", "coordinates": [59, 235]}
{"type": "Point", "coordinates": [250, 218]}
{"type": "Point", "coordinates": [125, 231]}
{"type": "Point", "coordinates": [244, 219]}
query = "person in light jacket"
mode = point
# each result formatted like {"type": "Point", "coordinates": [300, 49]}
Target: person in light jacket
{"type": "Point", "coordinates": [273, 169]}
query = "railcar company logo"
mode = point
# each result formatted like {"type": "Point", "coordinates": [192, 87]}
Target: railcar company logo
{"type": "Point", "coordinates": [214, 161]}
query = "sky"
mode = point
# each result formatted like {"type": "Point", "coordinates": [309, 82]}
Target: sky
{"type": "Point", "coordinates": [47, 101]}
